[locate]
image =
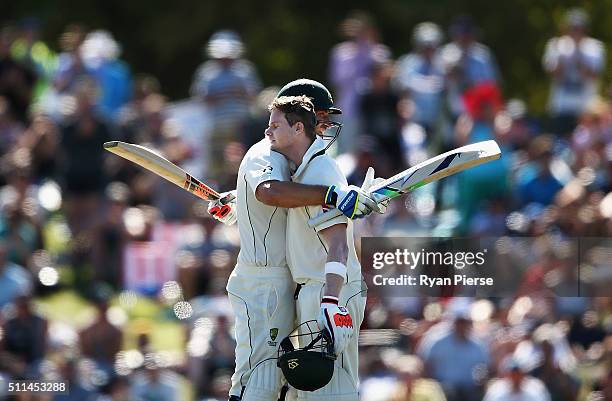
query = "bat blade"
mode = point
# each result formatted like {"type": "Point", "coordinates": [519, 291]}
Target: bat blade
{"type": "Point", "coordinates": [436, 168]}
{"type": "Point", "coordinates": [161, 166]}
{"type": "Point", "coordinates": [430, 170]}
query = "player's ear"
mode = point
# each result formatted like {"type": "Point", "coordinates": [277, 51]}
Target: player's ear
{"type": "Point", "coordinates": [299, 126]}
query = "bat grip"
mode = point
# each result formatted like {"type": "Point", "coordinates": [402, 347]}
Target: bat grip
{"type": "Point", "coordinates": [323, 217]}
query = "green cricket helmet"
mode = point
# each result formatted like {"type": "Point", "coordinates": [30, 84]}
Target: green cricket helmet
{"type": "Point", "coordinates": [311, 367]}
{"type": "Point", "coordinates": [322, 101]}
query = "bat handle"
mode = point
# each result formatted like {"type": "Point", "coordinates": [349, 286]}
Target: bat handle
{"type": "Point", "coordinates": [323, 217]}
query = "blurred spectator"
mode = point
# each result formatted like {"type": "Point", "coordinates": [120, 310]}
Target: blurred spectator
{"type": "Point", "coordinates": [221, 348]}
{"type": "Point", "coordinates": [154, 385]}
{"type": "Point", "coordinates": [101, 341]}
{"type": "Point", "coordinates": [350, 65]}
{"type": "Point", "coordinates": [461, 380]}
{"type": "Point", "coordinates": [593, 133]}
{"type": "Point", "coordinates": [537, 183]}
{"type": "Point", "coordinates": [141, 119]}
{"type": "Point", "coordinates": [575, 63]}
{"type": "Point", "coordinates": [516, 125]}
{"type": "Point", "coordinates": [421, 77]}
{"type": "Point", "coordinates": [69, 371]}
{"type": "Point", "coordinates": [19, 222]}
{"type": "Point", "coordinates": [82, 164]}
{"type": "Point", "coordinates": [562, 386]}
{"type": "Point", "coordinates": [119, 390]}
{"type": "Point", "coordinates": [16, 80]}
{"type": "Point", "coordinates": [379, 114]}
{"type": "Point", "coordinates": [29, 50]}
{"type": "Point", "coordinates": [227, 84]}
{"type": "Point", "coordinates": [257, 122]}
{"type": "Point", "coordinates": [10, 128]}
{"type": "Point", "coordinates": [411, 386]}
{"type": "Point", "coordinates": [41, 140]}
{"type": "Point", "coordinates": [465, 62]}
{"type": "Point", "coordinates": [100, 53]}
{"type": "Point", "coordinates": [414, 139]}
{"type": "Point", "coordinates": [25, 338]}
{"type": "Point", "coordinates": [111, 236]}
{"type": "Point", "coordinates": [15, 280]}
{"type": "Point", "coordinates": [70, 69]}
{"type": "Point", "coordinates": [516, 385]}
{"type": "Point", "coordinates": [482, 103]}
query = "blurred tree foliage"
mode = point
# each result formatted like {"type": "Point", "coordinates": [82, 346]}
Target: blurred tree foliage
{"type": "Point", "coordinates": [290, 39]}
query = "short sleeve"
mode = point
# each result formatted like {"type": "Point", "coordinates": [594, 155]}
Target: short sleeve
{"type": "Point", "coordinates": [267, 167]}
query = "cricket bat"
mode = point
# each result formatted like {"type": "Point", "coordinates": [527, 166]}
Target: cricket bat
{"type": "Point", "coordinates": [430, 170]}
{"type": "Point", "coordinates": [163, 167]}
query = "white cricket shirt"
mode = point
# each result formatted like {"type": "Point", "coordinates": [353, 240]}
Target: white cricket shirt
{"type": "Point", "coordinates": [306, 248]}
{"type": "Point", "coordinates": [262, 227]}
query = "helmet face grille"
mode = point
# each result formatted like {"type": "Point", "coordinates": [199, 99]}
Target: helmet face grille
{"type": "Point", "coordinates": [310, 365]}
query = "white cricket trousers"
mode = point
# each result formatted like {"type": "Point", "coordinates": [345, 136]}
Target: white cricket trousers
{"type": "Point", "coordinates": [345, 383]}
{"type": "Point", "coordinates": [264, 309]}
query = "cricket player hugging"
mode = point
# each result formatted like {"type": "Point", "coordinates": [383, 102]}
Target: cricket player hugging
{"type": "Point", "coordinates": [323, 261]}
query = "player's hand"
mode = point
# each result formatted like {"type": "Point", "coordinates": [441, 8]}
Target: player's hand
{"type": "Point", "coordinates": [351, 200]}
{"type": "Point", "coordinates": [369, 182]}
{"type": "Point", "coordinates": [224, 208]}
{"type": "Point", "coordinates": [337, 321]}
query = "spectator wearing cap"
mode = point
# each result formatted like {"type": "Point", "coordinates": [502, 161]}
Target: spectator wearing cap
{"type": "Point", "coordinates": [100, 53]}
{"type": "Point", "coordinates": [420, 75]}
{"type": "Point", "coordinates": [466, 62]}
{"type": "Point", "coordinates": [516, 385]}
{"type": "Point", "coordinates": [462, 378]}
{"type": "Point", "coordinates": [350, 65]}
{"type": "Point", "coordinates": [575, 62]}
{"type": "Point", "coordinates": [226, 83]}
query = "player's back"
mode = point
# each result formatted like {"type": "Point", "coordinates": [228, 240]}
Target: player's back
{"type": "Point", "coordinates": [262, 227]}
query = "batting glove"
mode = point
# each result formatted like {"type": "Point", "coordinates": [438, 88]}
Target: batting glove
{"type": "Point", "coordinates": [351, 200]}
{"type": "Point", "coordinates": [337, 321]}
{"type": "Point", "coordinates": [224, 208]}
{"type": "Point", "coordinates": [369, 182]}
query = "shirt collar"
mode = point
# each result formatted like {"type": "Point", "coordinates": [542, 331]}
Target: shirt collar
{"type": "Point", "coordinates": [317, 147]}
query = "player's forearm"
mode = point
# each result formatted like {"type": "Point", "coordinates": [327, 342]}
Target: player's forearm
{"type": "Point", "coordinates": [335, 266]}
{"type": "Point", "coordinates": [290, 194]}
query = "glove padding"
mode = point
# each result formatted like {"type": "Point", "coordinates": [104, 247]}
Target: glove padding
{"type": "Point", "coordinates": [369, 182]}
{"type": "Point", "coordinates": [337, 321]}
{"type": "Point", "coordinates": [351, 200]}
{"type": "Point", "coordinates": [224, 208]}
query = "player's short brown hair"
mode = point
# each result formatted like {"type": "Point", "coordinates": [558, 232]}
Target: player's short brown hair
{"type": "Point", "coordinates": [297, 109]}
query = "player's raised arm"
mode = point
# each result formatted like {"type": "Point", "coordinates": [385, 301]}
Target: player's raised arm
{"type": "Point", "coordinates": [336, 319]}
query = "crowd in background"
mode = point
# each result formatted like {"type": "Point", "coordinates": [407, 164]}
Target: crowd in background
{"type": "Point", "coordinates": [75, 217]}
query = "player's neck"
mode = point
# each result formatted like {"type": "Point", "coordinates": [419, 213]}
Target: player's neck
{"type": "Point", "coordinates": [296, 152]}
